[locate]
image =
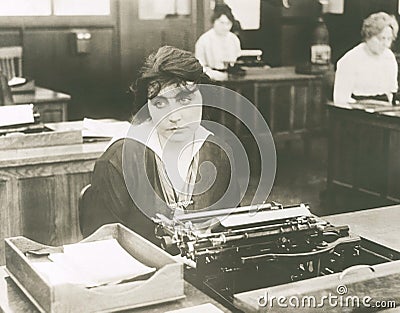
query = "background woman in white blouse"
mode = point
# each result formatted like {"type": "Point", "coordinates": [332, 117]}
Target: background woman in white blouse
{"type": "Point", "coordinates": [369, 70]}
{"type": "Point", "coordinates": [219, 45]}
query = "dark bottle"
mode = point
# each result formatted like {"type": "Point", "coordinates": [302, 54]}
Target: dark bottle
{"type": "Point", "coordinates": [320, 49]}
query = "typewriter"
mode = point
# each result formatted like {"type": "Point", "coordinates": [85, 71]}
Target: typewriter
{"type": "Point", "coordinates": [252, 247]}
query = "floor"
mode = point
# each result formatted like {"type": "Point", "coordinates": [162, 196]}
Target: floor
{"type": "Point", "coordinates": [301, 178]}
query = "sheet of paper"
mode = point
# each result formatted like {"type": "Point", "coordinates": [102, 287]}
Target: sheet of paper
{"type": "Point", "coordinates": [16, 114]}
{"type": "Point", "coordinates": [96, 128]}
{"type": "Point", "coordinates": [263, 216]}
{"type": "Point", "coordinates": [93, 264]}
{"type": "Point", "coordinates": [206, 307]}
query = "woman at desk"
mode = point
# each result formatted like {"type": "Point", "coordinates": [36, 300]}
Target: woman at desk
{"type": "Point", "coordinates": [219, 45]}
{"type": "Point", "coordinates": [369, 70]}
{"type": "Point", "coordinates": [161, 165]}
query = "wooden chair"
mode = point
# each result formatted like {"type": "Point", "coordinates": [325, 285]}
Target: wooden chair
{"type": "Point", "coordinates": [82, 208]}
{"type": "Point", "coordinates": [11, 61]}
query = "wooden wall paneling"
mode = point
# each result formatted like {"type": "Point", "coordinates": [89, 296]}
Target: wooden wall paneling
{"type": "Point", "coordinates": [370, 168]}
{"type": "Point", "coordinates": [302, 100]}
{"type": "Point", "coordinates": [344, 145]}
{"type": "Point", "coordinates": [281, 108]}
{"type": "Point", "coordinates": [317, 112]}
{"type": "Point", "coordinates": [295, 43]}
{"type": "Point", "coordinates": [10, 217]}
{"type": "Point", "coordinates": [37, 204]}
{"type": "Point", "coordinates": [10, 37]}
{"type": "Point", "coordinates": [393, 186]}
{"type": "Point", "coordinates": [89, 78]}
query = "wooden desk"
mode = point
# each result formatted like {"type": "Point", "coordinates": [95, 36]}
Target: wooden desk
{"type": "Point", "coordinates": [292, 104]}
{"type": "Point", "coordinates": [39, 190]}
{"type": "Point", "coordinates": [380, 225]}
{"type": "Point", "coordinates": [364, 153]}
{"type": "Point", "coordinates": [51, 105]}
{"type": "Point", "coordinates": [13, 300]}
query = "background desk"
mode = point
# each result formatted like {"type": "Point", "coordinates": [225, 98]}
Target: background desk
{"type": "Point", "coordinates": [364, 154]}
{"type": "Point", "coordinates": [51, 105]}
{"type": "Point", "coordinates": [292, 104]}
{"type": "Point", "coordinates": [39, 190]}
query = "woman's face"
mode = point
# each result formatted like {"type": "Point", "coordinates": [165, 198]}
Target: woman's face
{"type": "Point", "coordinates": [176, 112]}
{"type": "Point", "coordinates": [222, 25]}
{"type": "Point", "coordinates": [378, 43]}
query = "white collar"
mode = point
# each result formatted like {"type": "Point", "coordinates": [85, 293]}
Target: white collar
{"type": "Point", "coordinates": [146, 134]}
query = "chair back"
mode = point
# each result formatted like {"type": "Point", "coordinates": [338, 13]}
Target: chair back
{"type": "Point", "coordinates": [11, 61]}
{"type": "Point", "coordinates": [82, 208]}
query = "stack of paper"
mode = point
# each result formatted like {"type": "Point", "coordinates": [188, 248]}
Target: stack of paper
{"type": "Point", "coordinates": [93, 264]}
{"type": "Point", "coordinates": [98, 128]}
{"type": "Point", "coordinates": [16, 114]}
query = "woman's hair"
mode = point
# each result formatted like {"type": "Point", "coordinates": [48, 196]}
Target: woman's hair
{"type": "Point", "coordinates": [375, 23]}
{"type": "Point", "coordinates": [167, 66]}
{"type": "Point", "coordinates": [222, 9]}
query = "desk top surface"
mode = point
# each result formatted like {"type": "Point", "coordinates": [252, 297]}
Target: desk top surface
{"type": "Point", "coordinates": [51, 154]}
{"type": "Point", "coordinates": [13, 300]}
{"type": "Point", "coordinates": [268, 74]}
{"type": "Point", "coordinates": [40, 95]}
{"type": "Point", "coordinates": [380, 225]}
{"type": "Point", "coordinates": [368, 106]}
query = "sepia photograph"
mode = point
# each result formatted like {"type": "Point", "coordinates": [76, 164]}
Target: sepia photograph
{"type": "Point", "coordinates": [199, 156]}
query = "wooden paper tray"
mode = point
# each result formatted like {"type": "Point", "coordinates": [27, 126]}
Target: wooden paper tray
{"type": "Point", "coordinates": [165, 285]}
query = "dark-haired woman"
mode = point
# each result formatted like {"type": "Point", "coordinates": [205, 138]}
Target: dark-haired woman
{"type": "Point", "coordinates": [168, 163]}
{"type": "Point", "coordinates": [218, 46]}
{"type": "Point", "coordinates": [369, 70]}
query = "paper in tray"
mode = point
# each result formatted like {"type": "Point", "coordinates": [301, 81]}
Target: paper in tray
{"type": "Point", "coordinates": [93, 264]}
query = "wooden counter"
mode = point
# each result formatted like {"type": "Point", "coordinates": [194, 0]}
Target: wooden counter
{"type": "Point", "coordinates": [39, 190]}
{"type": "Point", "coordinates": [52, 105]}
{"type": "Point", "coordinates": [364, 153]}
{"type": "Point", "coordinates": [292, 104]}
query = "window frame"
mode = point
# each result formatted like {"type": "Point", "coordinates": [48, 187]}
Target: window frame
{"type": "Point", "coordinates": [62, 20]}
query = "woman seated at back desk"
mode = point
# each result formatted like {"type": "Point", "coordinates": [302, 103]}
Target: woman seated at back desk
{"type": "Point", "coordinates": [158, 167]}
{"type": "Point", "coordinates": [218, 46]}
{"type": "Point", "coordinates": [369, 70]}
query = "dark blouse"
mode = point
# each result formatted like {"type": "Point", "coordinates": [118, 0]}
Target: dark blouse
{"type": "Point", "coordinates": [109, 199]}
